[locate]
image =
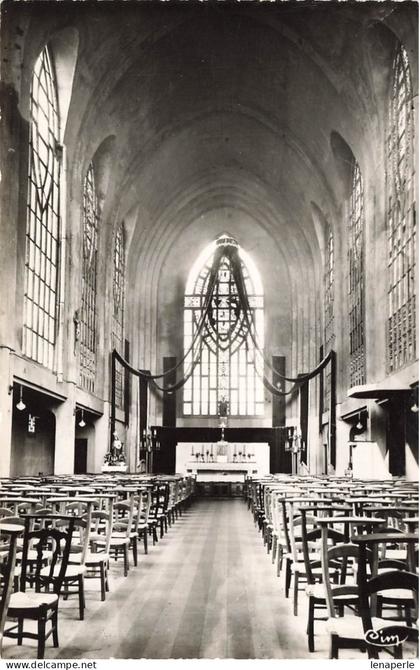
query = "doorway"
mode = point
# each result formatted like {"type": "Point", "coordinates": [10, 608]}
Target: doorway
{"type": "Point", "coordinates": [80, 456]}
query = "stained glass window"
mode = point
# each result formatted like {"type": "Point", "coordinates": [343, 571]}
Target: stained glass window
{"type": "Point", "coordinates": [329, 332]}
{"type": "Point", "coordinates": [229, 368]}
{"type": "Point", "coordinates": [401, 218]}
{"type": "Point", "coordinates": [43, 212]}
{"type": "Point", "coordinates": [89, 263]}
{"type": "Point", "coordinates": [118, 310]}
{"type": "Point", "coordinates": [356, 257]}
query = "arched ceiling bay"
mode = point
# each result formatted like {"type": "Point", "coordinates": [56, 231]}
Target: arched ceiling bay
{"type": "Point", "coordinates": [218, 108]}
{"type": "Point", "coordinates": [195, 93]}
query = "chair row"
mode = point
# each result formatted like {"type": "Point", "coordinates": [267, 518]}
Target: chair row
{"type": "Point", "coordinates": [301, 519]}
{"type": "Point", "coordinates": [101, 525]}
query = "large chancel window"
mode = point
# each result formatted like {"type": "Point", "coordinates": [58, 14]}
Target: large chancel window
{"type": "Point", "coordinates": [43, 211]}
{"type": "Point", "coordinates": [226, 344]}
{"type": "Point", "coordinates": [401, 218]}
{"type": "Point", "coordinates": [356, 256]}
{"type": "Point", "coordinates": [88, 307]}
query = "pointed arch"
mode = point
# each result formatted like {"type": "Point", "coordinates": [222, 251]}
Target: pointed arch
{"type": "Point", "coordinates": [118, 300]}
{"type": "Point", "coordinates": [401, 217]}
{"type": "Point", "coordinates": [43, 215]}
{"type": "Point", "coordinates": [88, 316]}
{"type": "Point", "coordinates": [228, 370]}
{"type": "Point", "coordinates": [356, 287]}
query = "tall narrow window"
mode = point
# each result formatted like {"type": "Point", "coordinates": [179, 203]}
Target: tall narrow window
{"type": "Point", "coordinates": [329, 332]}
{"type": "Point", "coordinates": [88, 304]}
{"type": "Point", "coordinates": [118, 310]}
{"type": "Point", "coordinates": [43, 211]}
{"type": "Point", "coordinates": [229, 368]}
{"type": "Point", "coordinates": [357, 280]}
{"type": "Point", "coordinates": [401, 218]}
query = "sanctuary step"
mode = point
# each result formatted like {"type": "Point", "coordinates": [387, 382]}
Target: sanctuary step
{"type": "Point", "coordinates": [219, 489]}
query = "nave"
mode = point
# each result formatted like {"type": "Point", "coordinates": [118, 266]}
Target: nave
{"type": "Point", "coordinates": [206, 590]}
{"type": "Point", "coordinates": [208, 239]}
{"type": "Point", "coordinates": [212, 581]}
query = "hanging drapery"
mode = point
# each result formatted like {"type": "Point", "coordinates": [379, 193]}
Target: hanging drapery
{"type": "Point", "coordinates": [246, 316]}
{"type": "Point", "coordinates": [227, 250]}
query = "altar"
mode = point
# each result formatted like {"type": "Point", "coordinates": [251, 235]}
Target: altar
{"type": "Point", "coordinates": [228, 462]}
{"type": "Point", "coordinates": [117, 467]}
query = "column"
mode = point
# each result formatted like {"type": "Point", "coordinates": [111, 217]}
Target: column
{"type": "Point", "coordinates": [6, 411]}
{"type": "Point", "coordinates": [102, 439]}
{"type": "Point", "coordinates": [65, 434]}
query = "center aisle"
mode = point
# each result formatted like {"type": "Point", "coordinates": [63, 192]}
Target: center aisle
{"type": "Point", "coordinates": [206, 590]}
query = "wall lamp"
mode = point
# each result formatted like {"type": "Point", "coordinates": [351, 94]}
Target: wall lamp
{"type": "Point", "coordinates": [82, 423]}
{"type": "Point", "coordinates": [20, 405]}
{"type": "Point", "coordinates": [414, 401]}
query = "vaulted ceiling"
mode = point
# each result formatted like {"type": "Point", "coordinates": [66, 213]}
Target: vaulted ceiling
{"type": "Point", "coordinates": [222, 117]}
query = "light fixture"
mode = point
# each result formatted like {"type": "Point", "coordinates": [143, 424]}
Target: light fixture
{"type": "Point", "coordinates": [359, 424]}
{"type": "Point", "coordinates": [150, 439]}
{"type": "Point", "coordinates": [20, 405]}
{"type": "Point", "coordinates": [82, 422]}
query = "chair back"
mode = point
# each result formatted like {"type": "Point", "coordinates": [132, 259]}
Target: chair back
{"type": "Point", "coordinates": [101, 527]}
{"type": "Point", "coordinates": [8, 540]}
{"type": "Point", "coordinates": [57, 541]}
{"type": "Point", "coordinates": [143, 501]}
{"type": "Point", "coordinates": [339, 557]}
{"type": "Point", "coordinates": [124, 514]}
{"type": "Point", "coordinates": [5, 511]}
{"type": "Point", "coordinates": [160, 494]}
{"type": "Point", "coordinates": [312, 538]}
{"type": "Point", "coordinates": [81, 536]}
{"type": "Point", "coordinates": [388, 581]}
{"type": "Point", "coordinates": [295, 531]}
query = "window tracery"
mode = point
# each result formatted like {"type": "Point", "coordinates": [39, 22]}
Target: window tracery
{"type": "Point", "coordinates": [229, 369]}
{"type": "Point", "coordinates": [401, 218]}
{"type": "Point", "coordinates": [89, 279]}
{"type": "Point", "coordinates": [356, 256]}
{"type": "Point", "coordinates": [43, 214]}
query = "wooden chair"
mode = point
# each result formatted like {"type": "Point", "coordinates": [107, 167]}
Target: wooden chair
{"type": "Point", "coordinates": [97, 556]}
{"type": "Point", "coordinates": [297, 563]}
{"type": "Point", "coordinates": [292, 522]}
{"type": "Point", "coordinates": [389, 585]}
{"type": "Point", "coordinates": [389, 581]}
{"type": "Point", "coordinates": [315, 590]}
{"type": "Point", "coordinates": [157, 516]}
{"type": "Point", "coordinates": [73, 581]}
{"type": "Point", "coordinates": [144, 501]}
{"type": "Point", "coordinates": [33, 604]}
{"type": "Point", "coordinates": [172, 499]}
{"type": "Point", "coordinates": [127, 526]}
{"type": "Point", "coordinates": [122, 528]}
{"type": "Point", "coordinates": [8, 537]}
{"type": "Point", "coordinates": [347, 632]}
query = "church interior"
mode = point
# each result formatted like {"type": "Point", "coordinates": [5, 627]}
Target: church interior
{"type": "Point", "coordinates": [208, 329]}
